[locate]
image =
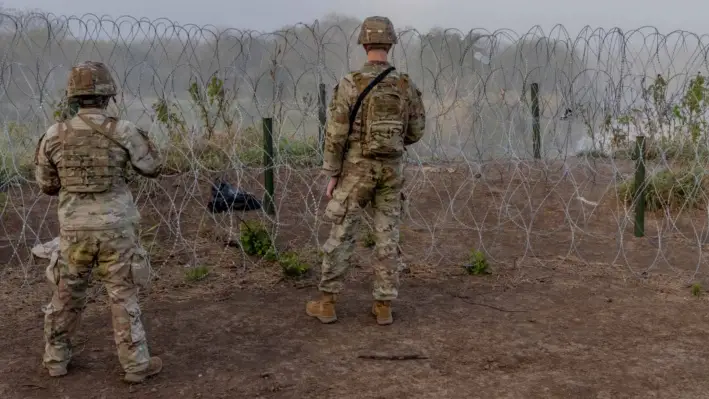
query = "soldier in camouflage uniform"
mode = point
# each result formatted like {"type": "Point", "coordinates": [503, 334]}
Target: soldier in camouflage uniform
{"type": "Point", "coordinates": [84, 161]}
{"type": "Point", "coordinates": [366, 167]}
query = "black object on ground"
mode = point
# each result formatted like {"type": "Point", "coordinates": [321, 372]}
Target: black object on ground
{"type": "Point", "coordinates": [226, 197]}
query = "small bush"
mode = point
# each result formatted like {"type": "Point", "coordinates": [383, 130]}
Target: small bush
{"type": "Point", "coordinates": [169, 114]}
{"type": "Point", "coordinates": [249, 142]}
{"type": "Point", "coordinates": [294, 152]}
{"type": "Point", "coordinates": [477, 263]}
{"type": "Point", "coordinates": [211, 154]}
{"type": "Point", "coordinates": [17, 145]}
{"type": "Point", "coordinates": [671, 150]}
{"type": "Point", "coordinates": [299, 152]}
{"type": "Point", "coordinates": [675, 151]}
{"type": "Point", "coordinates": [292, 266]}
{"type": "Point", "coordinates": [197, 273]}
{"type": "Point", "coordinates": [251, 156]}
{"type": "Point", "coordinates": [592, 154]}
{"type": "Point", "coordinates": [256, 240]}
{"type": "Point", "coordinates": [697, 290]}
{"type": "Point", "coordinates": [669, 190]}
{"type": "Point", "coordinates": [223, 151]}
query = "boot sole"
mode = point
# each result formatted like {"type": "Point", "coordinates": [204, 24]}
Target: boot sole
{"type": "Point", "coordinates": [383, 322]}
{"type": "Point", "coordinates": [135, 379]}
{"type": "Point", "coordinates": [324, 320]}
{"type": "Point", "coordinates": [60, 373]}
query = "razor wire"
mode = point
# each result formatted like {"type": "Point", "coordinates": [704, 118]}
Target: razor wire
{"type": "Point", "coordinates": [474, 182]}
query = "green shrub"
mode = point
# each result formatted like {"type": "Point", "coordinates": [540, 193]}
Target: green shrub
{"type": "Point", "coordinates": [697, 290]}
{"type": "Point", "coordinates": [255, 240]}
{"type": "Point", "coordinates": [592, 154]}
{"type": "Point", "coordinates": [212, 154]}
{"type": "Point", "coordinates": [666, 189]}
{"type": "Point", "coordinates": [672, 150]}
{"type": "Point", "coordinates": [292, 266]}
{"type": "Point", "coordinates": [294, 152]}
{"type": "Point", "coordinates": [477, 263]}
{"type": "Point", "coordinates": [298, 152]}
{"type": "Point", "coordinates": [198, 273]}
{"type": "Point", "coordinates": [17, 145]}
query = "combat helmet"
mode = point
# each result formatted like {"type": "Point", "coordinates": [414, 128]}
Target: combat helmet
{"type": "Point", "coordinates": [377, 30]}
{"type": "Point", "coordinates": [90, 78]}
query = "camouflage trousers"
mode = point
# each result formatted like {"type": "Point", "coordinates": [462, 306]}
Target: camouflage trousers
{"type": "Point", "coordinates": [361, 184]}
{"type": "Point", "coordinates": [112, 252]}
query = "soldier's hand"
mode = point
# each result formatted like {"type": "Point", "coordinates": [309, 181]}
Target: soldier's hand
{"type": "Point", "coordinates": [331, 187]}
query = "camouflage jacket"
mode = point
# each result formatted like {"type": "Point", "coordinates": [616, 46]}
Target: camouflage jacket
{"type": "Point", "coordinates": [343, 100]}
{"type": "Point", "coordinates": [96, 211]}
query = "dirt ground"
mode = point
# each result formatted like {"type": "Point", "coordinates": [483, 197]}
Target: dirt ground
{"type": "Point", "coordinates": [575, 306]}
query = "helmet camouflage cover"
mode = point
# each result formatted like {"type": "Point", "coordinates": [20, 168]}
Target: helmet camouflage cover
{"type": "Point", "coordinates": [90, 78]}
{"type": "Point", "coordinates": [377, 30]}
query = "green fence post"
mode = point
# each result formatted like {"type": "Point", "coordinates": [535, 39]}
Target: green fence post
{"type": "Point", "coordinates": [536, 138]}
{"type": "Point", "coordinates": [268, 163]}
{"type": "Point", "coordinates": [640, 186]}
{"type": "Point", "coordinates": [322, 115]}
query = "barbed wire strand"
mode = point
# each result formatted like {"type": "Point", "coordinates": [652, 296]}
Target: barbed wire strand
{"type": "Point", "coordinates": [473, 180]}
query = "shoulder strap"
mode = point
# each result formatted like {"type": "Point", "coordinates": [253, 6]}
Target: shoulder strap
{"type": "Point", "coordinates": [63, 128]}
{"type": "Point", "coordinates": [403, 83]}
{"type": "Point", "coordinates": [102, 129]}
{"type": "Point", "coordinates": [363, 94]}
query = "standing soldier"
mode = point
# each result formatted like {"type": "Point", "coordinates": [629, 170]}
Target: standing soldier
{"type": "Point", "coordinates": [83, 160]}
{"type": "Point", "coordinates": [375, 112]}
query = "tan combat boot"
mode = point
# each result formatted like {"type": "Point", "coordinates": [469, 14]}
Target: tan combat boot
{"type": "Point", "coordinates": [154, 367]}
{"type": "Point", "coordinates": [323, 309]}
{"type": "Point", "coordinates": [56, 371]}
{"type": "Point", "coordinates": [382, 310]}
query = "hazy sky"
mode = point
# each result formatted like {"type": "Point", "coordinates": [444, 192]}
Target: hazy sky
{"type": "Point", "coordinates": [519, 15]}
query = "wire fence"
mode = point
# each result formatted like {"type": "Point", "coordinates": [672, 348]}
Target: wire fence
{"type": "Point", "coordinates": [529, 153]}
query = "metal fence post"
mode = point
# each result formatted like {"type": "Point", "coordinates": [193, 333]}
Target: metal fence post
{"type": "Point", "coordinates": [268, 163]}
{"type": "Point", "coordinates": [640, 187]}
{"type": "Point", "coordinates": [536, 135]}
{"type": "Point", "coordinates": [322, 115]}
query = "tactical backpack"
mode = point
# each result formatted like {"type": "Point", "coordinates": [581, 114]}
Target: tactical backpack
{"type": "Point", "coordinates": [384, 115]}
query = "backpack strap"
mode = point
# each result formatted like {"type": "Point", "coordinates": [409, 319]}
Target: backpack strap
{"type": "Point", "coordinates": [64, 129]}
{"type": "Point", "coordinates": [404, 84]}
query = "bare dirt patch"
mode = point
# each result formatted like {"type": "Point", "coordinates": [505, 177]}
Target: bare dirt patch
{"type": "Point", "coordinates": [575, 307]}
